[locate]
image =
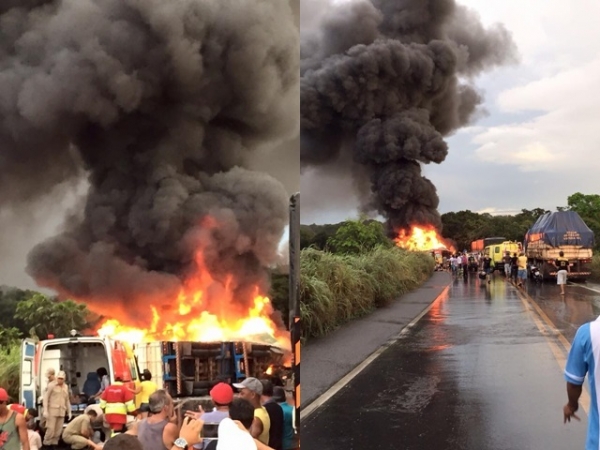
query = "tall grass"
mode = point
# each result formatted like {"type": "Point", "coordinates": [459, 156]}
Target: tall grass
{"type": "Point", "coordinates": [337, 288]}
{"type": "Point", "coordinates": [595, 268]}
{"type": "Point", "coordinates": [10, 366]}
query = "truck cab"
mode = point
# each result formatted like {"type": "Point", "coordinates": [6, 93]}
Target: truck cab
{"type": "Point", "coordinates": [498, 251]}
{"type": "Point", "coordinates": [77, 356]}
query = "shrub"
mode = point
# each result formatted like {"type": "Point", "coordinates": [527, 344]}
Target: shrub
{"type": "Point", "coordinates": [10, 366]}
{"type": "Point", "coordinates": [337, 288]}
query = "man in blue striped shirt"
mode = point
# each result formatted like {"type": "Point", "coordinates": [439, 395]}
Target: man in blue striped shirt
{"type": "Point", "coordinates": [584, 353]}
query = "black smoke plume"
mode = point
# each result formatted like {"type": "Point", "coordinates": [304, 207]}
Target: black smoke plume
{"type": "Point", "coordinates": [384, 82]}
{"type": "Point", "coordinates": [161, 106]}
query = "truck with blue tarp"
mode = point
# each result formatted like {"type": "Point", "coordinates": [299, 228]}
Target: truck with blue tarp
{"type": "Point", "coordinates": [559, 231]}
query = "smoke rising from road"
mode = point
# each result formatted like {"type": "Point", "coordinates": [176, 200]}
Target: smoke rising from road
{"type": "Point", "coordinates": [383, 82]}
{"type": "Point", "coordinates": [161, 105]}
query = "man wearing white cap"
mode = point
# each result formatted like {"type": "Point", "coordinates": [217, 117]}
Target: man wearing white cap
{"type": "Point", "coordinates": [251, 389]}
{"type": "Point", "coordinates": [56, 405]}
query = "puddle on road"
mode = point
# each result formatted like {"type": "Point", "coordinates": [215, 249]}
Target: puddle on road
{"type": "Point", "coordinates": [402, 399]}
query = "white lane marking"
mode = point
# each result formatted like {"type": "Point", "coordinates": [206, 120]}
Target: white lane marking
{"type": "Point", "coordinates": [585, 287]}
{"type": "Point", "coordinates": [327, 395]}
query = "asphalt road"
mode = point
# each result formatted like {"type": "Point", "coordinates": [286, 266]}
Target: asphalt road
{"type": "Point", "coordinates": [327, 360]}
{"type": "Point", "coordinates": [482, 370]}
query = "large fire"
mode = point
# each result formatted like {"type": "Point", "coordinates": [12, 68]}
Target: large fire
{"type": "Point", "coordinates": [422, 238]}
{"type": "Point", "coordinates": [204, 311]}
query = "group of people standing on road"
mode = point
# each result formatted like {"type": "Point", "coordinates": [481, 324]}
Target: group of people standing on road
{"type": "Point", "coordinates": [515, 267]}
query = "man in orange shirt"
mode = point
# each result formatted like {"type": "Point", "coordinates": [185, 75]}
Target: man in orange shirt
{"type": "Point", "coordinates": [116, 402]}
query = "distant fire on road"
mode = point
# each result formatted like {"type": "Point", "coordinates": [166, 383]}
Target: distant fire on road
{"type": "Point", "coordinates": [422, 238]}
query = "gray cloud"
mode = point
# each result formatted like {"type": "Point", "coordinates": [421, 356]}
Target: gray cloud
{"type": "Point", "coordinates": [385, 81]}
{"type": "Point", "coordinates": [161, 106]}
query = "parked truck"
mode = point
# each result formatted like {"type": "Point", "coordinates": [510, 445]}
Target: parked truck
{"type": "Point", "coordinates": [560, 231]}
{"type": "Point", "coordinates": [480, 244]}
{"type": "Point", "coordinates": [185, 369]}
{"type": "Point", "coordinates": [498, 251]}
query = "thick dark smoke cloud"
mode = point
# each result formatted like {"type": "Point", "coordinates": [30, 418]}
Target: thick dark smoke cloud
{"type": "Point", "coordinates": [385, 81]}
{"type": "Point", "coordinates": [160, 104]}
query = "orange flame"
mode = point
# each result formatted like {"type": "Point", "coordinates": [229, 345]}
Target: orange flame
{"type": "Point", "coordinates": [205, 310]}
{"type": "Point", "coordinates": [422, 238]}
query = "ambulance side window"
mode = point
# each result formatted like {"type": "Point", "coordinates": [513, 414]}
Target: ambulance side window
{"type": "Point", "coordinates": [27, 373]}
{"type": "Point", "coordinates": [132, 369]}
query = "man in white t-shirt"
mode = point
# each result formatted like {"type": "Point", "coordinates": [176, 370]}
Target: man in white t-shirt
{"type": "Point", "coordinates": [231, 435]}
{"type": "Point", "coordinates": [452, 261]}
{"type": "Point", "coordinates": [234, 431]}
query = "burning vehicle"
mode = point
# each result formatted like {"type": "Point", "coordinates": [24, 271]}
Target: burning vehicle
{"type": "Point", "coordinates": [424, 238]}
{"type": "Point", "coordinates": [187, 370]}
{"type": "Point", "coordinates": [158, 115]}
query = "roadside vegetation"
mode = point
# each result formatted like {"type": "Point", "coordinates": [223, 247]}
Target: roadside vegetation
{"type": "Point", "coordinates": [26, 313]}
{"type": "Point", "coordinates": [595, 269]}
{"type": "Point", "coordinates": [360, 270]}
{"type": "Point", "coordinates": [10, 367]}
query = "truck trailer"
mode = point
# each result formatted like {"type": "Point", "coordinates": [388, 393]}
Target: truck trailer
{"type": "Point", "coordinates": [560, 231]}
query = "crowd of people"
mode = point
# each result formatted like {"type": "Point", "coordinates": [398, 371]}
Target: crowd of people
{"type": "Point", "coordinates": [259, 417]}
{"type": "Point", "coordinates": [514, 266]}
{"type": "Point", "coordinates": [458, 263]}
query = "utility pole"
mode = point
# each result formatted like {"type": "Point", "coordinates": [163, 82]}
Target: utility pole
{"type": "Point", "coordinates": [294, 292]}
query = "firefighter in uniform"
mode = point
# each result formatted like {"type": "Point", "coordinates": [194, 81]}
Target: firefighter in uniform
{"type": "Point", "coordinates": [57, 405]}
{"type": "Point", "coordinates": [116, 402]}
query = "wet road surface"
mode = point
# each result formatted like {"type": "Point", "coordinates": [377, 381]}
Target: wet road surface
{"type": "Point", "coordinates": [476, 373]}
{"type": "Point", "coordinates": [325, 361]}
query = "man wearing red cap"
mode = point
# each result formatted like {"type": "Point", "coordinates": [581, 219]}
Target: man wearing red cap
{"type": "Point", "coordinates": [222, 396]}
{"type": "Point", "coordinates": [13, 429]}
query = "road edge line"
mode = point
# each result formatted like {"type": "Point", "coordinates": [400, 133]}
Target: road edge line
{"type": "Point", "coordinates": [583, 286]}
{"type": "Point", "coordinates": [338, 386]}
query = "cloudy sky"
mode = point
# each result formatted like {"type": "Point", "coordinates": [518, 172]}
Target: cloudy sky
{"type": "Point", "coordinates": [538, 143]}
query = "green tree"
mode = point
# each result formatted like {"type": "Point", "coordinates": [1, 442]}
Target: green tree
{"type": "Point", "coordinates": [588, 207]}
{"type": "Point", "coordinates": [279, 295]}
{"type": "Point", "coordinates": [307, 236]}
{"type": "Point", "coordinates": [464, 227]}
{"type": "Point", "coordinates": [316, 236]}
{"type": "Point", "coordinates": [44, 315]}
{"type": "Point", "coordinates": [358, 236]}
{"type": "Point", "coordinates": [10, 297]}
{"type": "Point", "coordinates": [9, 337]}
